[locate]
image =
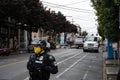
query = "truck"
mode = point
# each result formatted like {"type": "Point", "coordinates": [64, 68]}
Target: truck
{"type": "Point", "coordinates": [91, 43]}
{"type": "Point", "coordinates": [78, 42]}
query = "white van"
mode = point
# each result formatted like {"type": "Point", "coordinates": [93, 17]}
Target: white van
{"type": "Point", "coordinates": [91, 43]}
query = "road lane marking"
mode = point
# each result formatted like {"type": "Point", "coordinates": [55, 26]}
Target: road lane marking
{"type": "Point", "coordinates": [59, 63]}
{"type": "Point", "coordinates": [66, 53]}
{"type": "Point", "coordinates": [66, 59]}
{"type": "Point", "coordinates": [27, 78]}
{"type": "Point", "coordinates": [2, 66]}
{"type": "Point", "coordinates": [85, 75]}
{"type": "Point", "coordinates": [71, 66]}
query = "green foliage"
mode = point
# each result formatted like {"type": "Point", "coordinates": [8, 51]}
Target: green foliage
{"type": "Point", "coordinates": [117, 2]}
{"type": "Point", "coordinates": [84, 33]}
{"type": "Point", "coordinates": [31, 15]}
{"type": "Point", "coordinates": [108, 18]}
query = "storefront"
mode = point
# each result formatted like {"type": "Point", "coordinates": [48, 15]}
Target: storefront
{"type": "Point", "coordinates": [8, 37]}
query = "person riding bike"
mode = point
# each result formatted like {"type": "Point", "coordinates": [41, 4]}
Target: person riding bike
{"type": "Point", "coordinates": [41, 64]}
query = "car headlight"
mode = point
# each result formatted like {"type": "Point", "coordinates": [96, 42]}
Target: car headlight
{"type": "Point", "coordinates": [96, 45]}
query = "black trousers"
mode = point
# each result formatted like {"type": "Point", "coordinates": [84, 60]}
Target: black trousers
{"type": "Point", "coordinates": [37, 76]}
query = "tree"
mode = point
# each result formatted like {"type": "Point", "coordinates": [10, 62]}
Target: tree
{"type": "Point", "coordinates": [84, 33]}
{"type": "Point", "coordinates": [31, 15]}
{"type": "Point", "coordinates": [107, 18]}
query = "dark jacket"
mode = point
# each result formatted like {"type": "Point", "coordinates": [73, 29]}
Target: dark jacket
{"type": "Point", "coordinates": [40, 66]}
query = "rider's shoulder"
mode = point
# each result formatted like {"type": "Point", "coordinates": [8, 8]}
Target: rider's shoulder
{"type": "Point", "coordinates": [32, 56]}
{"type": "Point", "coordinates": [51, 57]}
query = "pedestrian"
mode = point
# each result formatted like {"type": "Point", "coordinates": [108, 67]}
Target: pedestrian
{"type": "Point", "coordinates": [41, 64]}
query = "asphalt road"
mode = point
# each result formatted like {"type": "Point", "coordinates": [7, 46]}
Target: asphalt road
{"type": "Point", "coordinates": [73, 64]}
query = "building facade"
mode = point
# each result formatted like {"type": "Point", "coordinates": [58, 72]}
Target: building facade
{"type": "Point", "coordinates": [8, 37]}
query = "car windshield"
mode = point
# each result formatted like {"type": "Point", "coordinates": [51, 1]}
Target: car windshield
{"type": "Point", "coordinates": [91, 39]}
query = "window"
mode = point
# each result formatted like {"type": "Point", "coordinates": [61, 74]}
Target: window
{"type": "Point", "coordinates": [3, 30]}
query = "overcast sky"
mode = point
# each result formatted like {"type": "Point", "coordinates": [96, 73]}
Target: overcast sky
{"type": "Point", "coordinates": [78, 12]}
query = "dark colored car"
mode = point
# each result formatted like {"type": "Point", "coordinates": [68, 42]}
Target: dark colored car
{"type": "Point", "coordinates": [4, 51]}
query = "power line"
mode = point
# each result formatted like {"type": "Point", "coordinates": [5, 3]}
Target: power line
{"type": "Point", "coordinates": [67, 8]}
{"type": "Point", "coordinates": [48, 4]}
{"type": "Point", "coordinates": [76, 2]}
{"type": "Point", "coordinates": [82, 19]}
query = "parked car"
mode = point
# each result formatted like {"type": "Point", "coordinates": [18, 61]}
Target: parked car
{"type": "Point", "coordinates": [79, 42]}
{"type": "Point", "coordinates": [91, 43]}
{"type": "Point", "coordinates": [4, 51]}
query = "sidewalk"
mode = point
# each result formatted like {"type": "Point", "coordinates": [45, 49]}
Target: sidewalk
{"type": "Point", "coordinates": [20, 51]}
{"type": "Point", "coordinates": [110, 67]}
